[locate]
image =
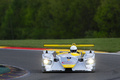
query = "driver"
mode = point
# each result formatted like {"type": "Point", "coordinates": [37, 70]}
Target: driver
{"type": "Point", "coordinates": [73, 49]}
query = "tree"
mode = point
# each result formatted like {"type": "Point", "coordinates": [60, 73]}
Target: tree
{"type": "Point", "coordinates": [4, 5]}
{"type": "Point", "coordinates": [107, 18]}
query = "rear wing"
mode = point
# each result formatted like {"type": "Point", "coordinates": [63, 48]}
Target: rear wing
{"type": "Point", "coordinates": [68, 45]}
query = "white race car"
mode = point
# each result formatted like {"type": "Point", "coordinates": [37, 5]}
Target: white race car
{"type": "Point", "coordinates": [68, 61]}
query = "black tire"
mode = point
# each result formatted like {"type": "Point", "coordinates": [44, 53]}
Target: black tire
{"type": "Point", "coordinates": [93, 70]}
{"type": "Point", "coordinates": [43, 69]}
{"type": "Point", "coordinates": [68, 70]}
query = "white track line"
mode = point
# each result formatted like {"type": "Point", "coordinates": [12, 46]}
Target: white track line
{"type": "Point", "coordinates": [109, 53]}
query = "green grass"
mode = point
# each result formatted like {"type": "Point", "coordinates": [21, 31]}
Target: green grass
{"type": "Point", "coordinates": [102, 44]}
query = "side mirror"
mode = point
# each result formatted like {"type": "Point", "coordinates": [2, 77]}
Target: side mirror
{"type": "Point", "coordinates": [46, 51]}
{"type": "Point", "coordinates": [90, 51]}
{"type": "Point", "coordinates": [81, 60]}
{"type": "Point", "coordinates": [56, 60]}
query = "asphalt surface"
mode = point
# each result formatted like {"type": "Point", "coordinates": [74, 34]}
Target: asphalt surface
{"type": "Point", "coordinates": [107, 66]}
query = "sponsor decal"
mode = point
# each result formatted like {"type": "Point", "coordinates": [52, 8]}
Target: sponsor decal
{"type": "Point", "coordinates": [67, 62]}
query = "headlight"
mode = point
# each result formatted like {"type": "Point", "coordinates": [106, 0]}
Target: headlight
{"type": "Point", "coordinates": [47, 62]}
{"type": "Point", "coordinates": [90, 61]}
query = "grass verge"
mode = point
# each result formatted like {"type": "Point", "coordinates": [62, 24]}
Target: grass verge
{"type": "Point", "coordinates": [101, 44]}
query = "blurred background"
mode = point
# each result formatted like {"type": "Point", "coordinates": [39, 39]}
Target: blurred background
{"type": "Point", "coordinates": [59, 19]}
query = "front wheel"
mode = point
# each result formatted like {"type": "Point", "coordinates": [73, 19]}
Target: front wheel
{"type": "Point", "coordinates": [93, 70]}
{"type": "Point", "coordinates": [43, 69]}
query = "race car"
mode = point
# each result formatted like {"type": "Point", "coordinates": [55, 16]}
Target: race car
{"type": "Point", "coordinates": [72, 60]}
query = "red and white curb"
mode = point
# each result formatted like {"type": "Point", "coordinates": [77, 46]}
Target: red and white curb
{"type": "Point", "coordinates": [41, 49]}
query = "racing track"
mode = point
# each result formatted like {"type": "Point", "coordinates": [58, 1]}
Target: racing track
{"type": "Point", "coordinates": [108, 66]}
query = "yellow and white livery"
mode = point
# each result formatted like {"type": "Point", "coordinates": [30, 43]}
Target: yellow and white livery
{"type": "Point", "coordinates": [68, 61]}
